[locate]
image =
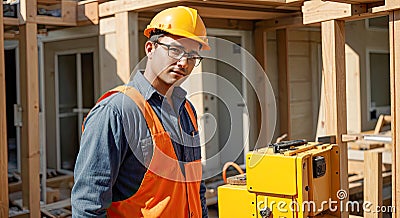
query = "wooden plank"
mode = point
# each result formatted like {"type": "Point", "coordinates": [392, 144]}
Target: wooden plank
{"type": "Point", "coordinates": [334, 80]}
{"type": "Point", "coordinates": [56, 21]}
{"type": "Point", "coordinates": [356, 1]}
{"type": "Point", "coordinates": [318, 11]}
{"type": "Point", "coordinates": [357, 186]}
{"type": "Point", "coordinates": [281, 22]}
{"type": "Point", "coordinates": [359, 155]}
{"type": "Point", "coordinates": [373, 182]}
{"type": "Point", "coordinates": [227, 24]}
{"type": "Point", "coordinates": [114, 7]}
{"type": "Point", "coordinates": [68, 11]}
{"type": "Point", "coordinates": [88, 12]}
{"type": "Point", "coordinates": [394, 35]}
{"type": "Point", "coordinates": [10, 21]}
{"type": "Point", "coordinates": [3, 128]}
{"type": "Point", "coordinates": [260, 53]}
{"type": "Point", "coordinates": [227, 13]}
{"type": "Point", "coordinates": [10, 36]}
{"type": "Point", "coordinates": [283, 82]}
{"type": "Point", "coordinates": [55, 182]}
{"type": "Point", "coordinates": [382, 121]}
{"type": "Point", "coordinates": [107, 25]}
{"type": "Point", "coordinates": [390, 5]}
{"type": "Point", "coordinates": [30, 148]}
{"type": "Point", "coordinates": [58, 204]}
{"type": "Point", "coordinates": [127, 42]}
{"type": "Point", "coordinates": [28, 10]}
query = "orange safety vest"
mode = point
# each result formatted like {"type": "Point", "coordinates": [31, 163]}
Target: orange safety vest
{"type": "Point", "coordinates": [164, 191]}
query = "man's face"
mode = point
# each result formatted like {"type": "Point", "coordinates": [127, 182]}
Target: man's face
{"type": "Point", "coordinates": [165, 63]}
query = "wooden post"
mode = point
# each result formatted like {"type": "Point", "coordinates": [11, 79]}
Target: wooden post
{"type": "Point", "coordinates": [3, 127]}
{"type": "Point", "coordinates": [334, 74]}
{"type": "Point", "coordinates": [373, 182]}
{"type": "Point", "coordinates": [127, 42]}
{"type": "Point", "coordinates": [30, 148]}
{"type": "Point", "coordinates": [260, 51]}
{"type": "Point", "coordinates": [394, 35]}
{"type": "Point", "coordinates": [283, 78]}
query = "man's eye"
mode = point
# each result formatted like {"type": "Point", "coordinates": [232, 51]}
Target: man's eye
{"type": "Point", "coordinates": [175, 50]}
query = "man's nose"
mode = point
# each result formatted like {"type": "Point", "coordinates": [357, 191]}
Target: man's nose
{"type": "Point", "coordinates": [183, 62]}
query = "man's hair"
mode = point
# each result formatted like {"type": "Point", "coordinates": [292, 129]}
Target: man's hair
{"type": "Point", "coordinates": [156, 34]}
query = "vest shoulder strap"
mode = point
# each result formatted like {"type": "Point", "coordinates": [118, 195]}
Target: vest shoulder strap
{"type": "Point", "coordinates": [189, 109]}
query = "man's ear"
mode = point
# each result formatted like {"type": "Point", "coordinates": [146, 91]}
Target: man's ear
{"type": "Point", "coordinates": [149, 48]}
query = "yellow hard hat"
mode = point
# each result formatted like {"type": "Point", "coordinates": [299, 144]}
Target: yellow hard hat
{"type": "Point", "coordinates": [180, 21]}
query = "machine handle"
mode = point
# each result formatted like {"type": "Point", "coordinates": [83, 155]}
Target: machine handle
{"type": "Point", "coordinates": [285, 145]}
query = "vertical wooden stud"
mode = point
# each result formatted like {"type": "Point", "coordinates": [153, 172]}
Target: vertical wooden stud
{"type": "Point", "coordinates": [334, 74]}
{"type": "Point", "coordinates": [30, 143]}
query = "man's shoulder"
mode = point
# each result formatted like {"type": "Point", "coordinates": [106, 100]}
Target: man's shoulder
{"type": "Point", "coordinates": [119, 103]}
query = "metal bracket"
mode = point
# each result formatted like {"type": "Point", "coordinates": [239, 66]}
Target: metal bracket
{"type": "Point", "coordinates": [17, 115]}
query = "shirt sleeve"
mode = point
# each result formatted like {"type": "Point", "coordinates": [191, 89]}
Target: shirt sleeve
{"type": "Point", "coordinates": [97, 165]}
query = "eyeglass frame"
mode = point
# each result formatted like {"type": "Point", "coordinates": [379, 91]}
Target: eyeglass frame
{"type": "Point", "coordinates": [188, 55]}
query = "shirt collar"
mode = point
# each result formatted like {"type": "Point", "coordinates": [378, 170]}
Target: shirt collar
{"type": "Point", "coordinates": [147, 90]}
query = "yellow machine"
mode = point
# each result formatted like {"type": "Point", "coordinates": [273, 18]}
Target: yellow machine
{"type": "Point", "coordinates": [286, 179]}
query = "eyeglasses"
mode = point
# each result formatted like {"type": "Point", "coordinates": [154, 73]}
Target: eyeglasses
{"type": "Point", "coordinates": [177, 53]}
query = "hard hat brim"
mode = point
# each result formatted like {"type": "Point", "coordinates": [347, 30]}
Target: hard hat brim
{"type": "Point", "coordinates": [178, 32]}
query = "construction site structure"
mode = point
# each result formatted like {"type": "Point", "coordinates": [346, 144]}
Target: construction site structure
{"type": "Point", "coordinates": [111, 32]}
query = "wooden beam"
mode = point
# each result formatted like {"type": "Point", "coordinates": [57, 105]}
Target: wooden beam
{"type": "Point", "coordinates": [3, 128]}
{"type": "Point", "coordinates": [283, 82]}
{"type": "Point", "coordinates": [228, 24]}
{"type": "Point", "coordinates": [394, 35]}
{"type": "Point", "coordinates": [373, 182]}
{"type": "Point", "coordinates": [28, 10]}
{"type": "Point", "coordinates": [390, 5]}
{"type": "Point", "coordinates": [355, 1]}
{"type": "Point", "coordinates": [68, 11]}
{"type": "Point", "coordinates": [281, 23]}
{"type": "Point", "coordinates": [127, 42]}
{"type": "Point", "coordinates": [318, 11]}
{"type": "Point", "coordinates": [211, 12]}
{"type": "Point", "coordinates": [9, 21]}
{"type": "Point", "coordinates": [260, 52]}
{"type": "Point", "coordinates": [114, 7]}
{"type": "Point", "coordinates": [88, 11]}
{"type": "Point", "coordinates": [56, 21]}
{"type": "Point", "coordinates": [30, 148]}
{"type": "Point", "coordinates": [334, 81]}
{"type": "Point", "coordinates": [260, 48]}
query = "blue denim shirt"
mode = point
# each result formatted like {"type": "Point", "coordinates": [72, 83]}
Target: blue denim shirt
{"type": "Point", "coordinates": [116, 146]}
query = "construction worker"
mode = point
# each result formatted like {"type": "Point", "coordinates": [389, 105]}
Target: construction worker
{"type": "Point", "coordinates": [140, 153]}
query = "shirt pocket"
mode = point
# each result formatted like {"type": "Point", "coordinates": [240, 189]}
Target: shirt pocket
{"type": "Point", "coordinates": [192, 148]}
{"type": "Point", "coordinates": [146, 146]}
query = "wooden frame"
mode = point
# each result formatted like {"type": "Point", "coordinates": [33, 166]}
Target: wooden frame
{"type": "Point", "coordinates": [331, 14]}
{"type": "Point", "coordinates": [334, 79]}
{"type": "Point", "coordinates": [30, 148]}
{"type": "Point", "coordinates": [394, 35]}
{"type": "Point", "coordinates": [3, 128]}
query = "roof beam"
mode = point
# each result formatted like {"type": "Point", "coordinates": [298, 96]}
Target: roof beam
{"type": "Point", "coordinates": [113, 7]}
{"type": "Point", "coordinates": [212, 12]}
{"type": "Point", "coordinates": [281, 23]}
{"type": "Point", "coordinates": [318, 11]}
{"type": "Point", "coordinates": [390, 5]}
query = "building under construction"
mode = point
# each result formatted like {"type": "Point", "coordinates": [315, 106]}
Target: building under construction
{"type": "Point", "coordinates": [331, 65]}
